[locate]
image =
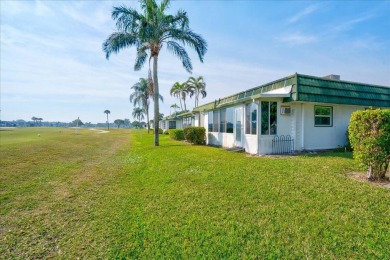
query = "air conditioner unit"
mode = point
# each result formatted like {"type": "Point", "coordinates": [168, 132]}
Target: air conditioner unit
{"type": "Point", "coordinates": [285, 110]}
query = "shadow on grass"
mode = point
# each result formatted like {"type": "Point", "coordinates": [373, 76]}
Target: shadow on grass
{"type": "Point", "coordinates": [347, 155]}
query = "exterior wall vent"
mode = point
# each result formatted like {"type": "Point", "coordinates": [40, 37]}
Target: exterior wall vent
{"type": "Point", "coordinates": [332, 76]}
{"type": "Point", "coordinates": [285, 110]}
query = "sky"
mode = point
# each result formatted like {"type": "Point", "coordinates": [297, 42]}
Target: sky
{"type": "Point", "coordinates": [52, 65]}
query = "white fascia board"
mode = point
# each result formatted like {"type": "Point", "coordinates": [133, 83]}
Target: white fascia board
{"type": "Point", "coordinates": [280, 92]}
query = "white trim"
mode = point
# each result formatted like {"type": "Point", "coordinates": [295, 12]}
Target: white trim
{"type": "Point", "coordinates": [280, 92]}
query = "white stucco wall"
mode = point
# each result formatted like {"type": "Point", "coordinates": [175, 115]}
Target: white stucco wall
{"type": "Point", "coordinates": [220, 139]}
{"type": "Point", "coordinates": [327, 137]}
{"type": "Point", "coordinates": [195, 122]}
{"type": "Point", "coordinates": [250, 144]}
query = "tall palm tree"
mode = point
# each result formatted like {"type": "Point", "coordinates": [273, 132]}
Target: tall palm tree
{"type": "Point", "coordinates": [181, 90]}
{"type": "Point", "coordinates": [141, 96]}
{"type": "Point", "coordinates": [149, 31]}
{"type": "Point", "coordinates": [138, 113]}
{"type": "Point", "coordinates": [198, 87]}
{"type": "Point", "coordinates": [107, 112]}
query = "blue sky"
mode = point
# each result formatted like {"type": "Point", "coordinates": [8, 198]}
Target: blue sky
{"type": "Point", "coordinates": [52, 64]}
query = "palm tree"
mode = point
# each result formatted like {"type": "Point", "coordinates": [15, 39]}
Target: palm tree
{"type": "Point", "coordinates": [148, 31]}
{"type": "Point", "coordinates": [198, 87]}
{"type": "Point", "coordinates": [141, 96]}
{"type": "Point", "coordinates": [107, 112]}
{"type": "Point", "coordinates": [35, 119]}
{"type": "Point", "coordinates": [138, 113]}
{"type": "Point", "coordinates": [181, 90]}
{"type": "Point", "coordinates": [174, 106]}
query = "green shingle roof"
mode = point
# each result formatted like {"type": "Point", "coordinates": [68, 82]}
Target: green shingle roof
{"type": "Point", "coordinates": [179, 115]}
{"type": "Point", "coordinates": [313, 89]}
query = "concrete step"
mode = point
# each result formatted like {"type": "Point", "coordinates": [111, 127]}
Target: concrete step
{"type": "Point", "coordinates": [235, 149]}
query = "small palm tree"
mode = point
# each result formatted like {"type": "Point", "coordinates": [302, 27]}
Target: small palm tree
{"type": "Point", "coordinates": [107, 112]}
{"type": "Point", "coordinates": [174, 106]}
{"type": "Point", "coordinates": [138, 113]}
{"type": "Point", "coordinates": [141, 96]}
{"type": "Point", "coordinates": [34, 119]}
{"type": "Point", "coordinates": [181, 90]}
{"type": "Point", "coordinates": [149, 31]}
{"type": "Point", "coordinates": [198, 87]}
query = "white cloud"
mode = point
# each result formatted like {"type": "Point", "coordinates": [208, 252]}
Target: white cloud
{"type": "Point", "coordinates": [297, 38]}
{"type": "Point", "coordinates": [97, 18]}
{"type": "Point", "coordinates": [308, 10]}
{"type": "Point", "coordinates": [350, 24]}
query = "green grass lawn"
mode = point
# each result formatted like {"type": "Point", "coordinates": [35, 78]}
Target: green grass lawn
{"type": "Point", "coordinates": [114, 195]}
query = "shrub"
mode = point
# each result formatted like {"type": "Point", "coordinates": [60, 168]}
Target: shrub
{"type": "Point", "coordinates": [369, 134]}
{"type": "Point", "coordinates": [160, 131]}
{"type": "Point", "coordinates": [348, 142]}
{"type": "Point", "coordinates": [166, 132]}
{"type": "Point", "coordinates": [177, 134]}
{"type": "Point", "coordinates": [195, 135]}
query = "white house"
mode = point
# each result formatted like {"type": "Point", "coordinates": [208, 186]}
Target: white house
{"type": "Point", "coordinates": [178, 120]}
{"type": "Point", "coordinates": [295, 113]}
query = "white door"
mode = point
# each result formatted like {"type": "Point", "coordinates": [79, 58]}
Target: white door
{"type": "Point", "coordinates": [238, 127]}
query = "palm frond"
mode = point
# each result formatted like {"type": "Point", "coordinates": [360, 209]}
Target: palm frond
{"type": "Point", "coordinates": [118, 41]}
{"type": "Point", "coordinates": [126, 18]}
{"type": "Point", "coordinates": [164, 5]}
{"type": "Point", "coordinates": [140, 59]}
{"type": "Point", "coordinates": [188, 37]}
{"type": "Point", "coordinates": [181, 19]}
{"type": "Point", "coordinates": [181, 53]}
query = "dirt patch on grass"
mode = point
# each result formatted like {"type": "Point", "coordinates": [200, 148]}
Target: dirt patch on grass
{"type": "Point", "coordinates": [99, 131]}
{"type": "Point", "coordinates": [362, 177]}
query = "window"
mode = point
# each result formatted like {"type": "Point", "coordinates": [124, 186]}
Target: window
{"type": "Point", "coordinates": [215, 120]}
{"type": "Point", "coordinates": [221, 120]}
{"type": "Point", "coordinates": [210, 121]}
{"type": "Point", "coordinates": [172, 124]}
{"type": "Point", "coordinates": [269, 118]}
{"type": "Point", "coordinates": [222, 116]}
{"type": "Point", "coordinates": [251, 119]}
{"type": "Point", "coordinates": [229, 120]}
{"type": "Point", "coordinates": [323, 116]}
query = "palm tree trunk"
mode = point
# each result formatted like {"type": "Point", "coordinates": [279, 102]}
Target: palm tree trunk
{"type": "Point", "coordinates": [184, 101]}
{"type": "Point", "coordinates": [108, 124]}
{"type": "Point", "coordinates": [196, 97]}
{"type": "Point", "coordinates": [156, 101]}
{"type": "Point", "coordinates": [147, 116]}
{"type": "Point", "coordinates": [181, 106]}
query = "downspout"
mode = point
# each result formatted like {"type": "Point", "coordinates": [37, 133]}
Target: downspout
{"type": "Point", "coordinates": [303, 126]}
{"type": "Point", "coordinates": [258, 126]}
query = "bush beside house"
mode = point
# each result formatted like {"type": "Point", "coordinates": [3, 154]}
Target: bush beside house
{"type": "Point", "coordinates": [195, 135]}
{"type": "Point", "coordinates": [369, 134]}
{"type": "Point", "coordinates": [177, 134]}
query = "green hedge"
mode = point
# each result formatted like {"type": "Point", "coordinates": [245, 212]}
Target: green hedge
{"type": "Point", "coordinates": [195, 135]}
{"type": "Point", "coordinates": [369, 134]}
{"type": "Point", "coordinates": [160, 131]}
{"type": "Point", "coordinates": [177, 134]}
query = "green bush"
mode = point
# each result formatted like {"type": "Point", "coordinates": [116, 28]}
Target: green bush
{"type": "Point", "coordinates": [369, 134]}
{"type": "Point", "coordinates": [177, 134]}
{"type": "Point", "coordinates": [166, 132]}
{"type": "Point", "coordinates": [195, 135]}
{"type": "Point", "coordinates": [348, 146]}
{"type": "Point", "coordinates": [160, 131]}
